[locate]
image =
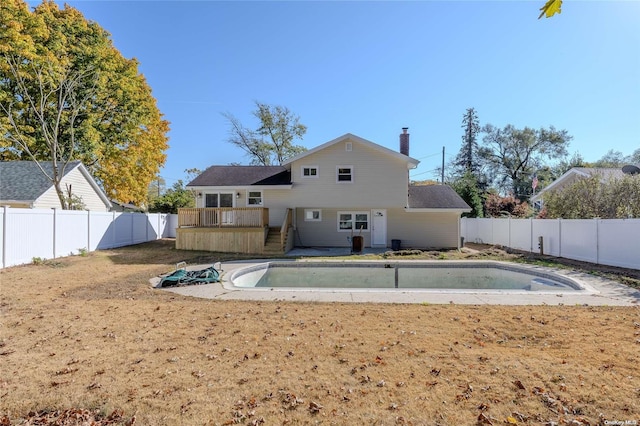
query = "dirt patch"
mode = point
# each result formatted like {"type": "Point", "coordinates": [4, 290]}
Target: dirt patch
{"type": "Point", "coordinates": [88, 336]}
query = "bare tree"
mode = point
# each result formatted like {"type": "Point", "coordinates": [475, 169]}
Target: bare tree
{"type": "Point", "coordinates": [272, 142]}
{"type": "Point", "coordinates": [56, 101]}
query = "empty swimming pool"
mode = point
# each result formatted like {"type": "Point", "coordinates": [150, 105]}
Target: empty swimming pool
{"type": "Point", "coordinates": [440, 275]}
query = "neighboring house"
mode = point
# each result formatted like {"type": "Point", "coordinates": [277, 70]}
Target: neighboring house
{"type": "Point", "coordinates": [23, 185]}
{"type": "Point", "coordinates": [571, 177]}
{"type": "Point", "coordinates": [346, 187]}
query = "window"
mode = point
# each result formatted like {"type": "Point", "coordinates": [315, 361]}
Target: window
{"type": "Point", "coordinates": [344, 174]}
{"type": "Point", "coordinates": [348, 147]}
{"type": "Point", "coordinates": [218, 200]}
{"type": "Point", "coordinates": [254, 198]}
{"type": "Point", "coordinates": [309, 171]}
{"type": "Point", "coordinates": [353, 221]}
{"type": "Point", "coordinates": [312, 215]}
{"type": "Point", "coordinates": [211, 200]}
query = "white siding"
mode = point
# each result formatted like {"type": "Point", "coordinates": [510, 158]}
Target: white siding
{"type": "Point", "coordinates": [415, 230]}
{"type": "Point", "coordinates": [379, 180]}
{"type": "Point", "coordinates": [80, 187]}
{"type": "Point", "coordinates": [423, 229]}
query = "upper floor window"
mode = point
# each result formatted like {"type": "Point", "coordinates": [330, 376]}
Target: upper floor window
{"type": "Point", "coordinates": [309, 171]}
{"type": "Point", "coordinates": [344, 174]}
{"type": "Point", "coordinates": [254, 198]}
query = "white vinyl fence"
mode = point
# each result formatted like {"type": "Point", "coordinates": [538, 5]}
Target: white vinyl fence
{"type": "Point", "coordinates": [614, 242]}
{"type": "Point", "coordinates": [26, 234]}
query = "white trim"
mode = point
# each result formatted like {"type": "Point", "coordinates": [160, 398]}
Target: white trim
{"type": "Point", "coordinates": [94, 185]}
{"type": "Point", "coordinates": [436, 210]}
{"type": "Point", "coordinates": [353, 220]}
{"type": "Point", "coordinates": [310, 167]}
{"type": "Point", "coordinates": [312, 219]}
{"type": "Point", "coordinates": [350, 174]}
{"type": "Point", "coordinates": [412, 163]}
{"type": "Point", "coordinates": [237, 187]}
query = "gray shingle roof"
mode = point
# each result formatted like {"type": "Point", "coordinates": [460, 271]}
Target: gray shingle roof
{"type": "Point", "coordinates": [606, 173]}
{"type": "Point", "coordinates": [242, 176]}
{"type": "Point", "coordinates": [23, 180]}
{"type": "Point", "coordinates": [435, 197]}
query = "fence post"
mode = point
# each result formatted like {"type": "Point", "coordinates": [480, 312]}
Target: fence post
{"type": "Point", "coordinates": [597, 241]}
{"type": "Point", "coordinates": [113, 230]}
{"type": "Point", "coordinates": [55, 231]}
{"type": "Point", "coordinates": [4, 235]}
{"type": "Point", "coordinates": [559, 237]}
{"type": "Point", "coordinates": [531, 235]}
{"type": "Point", "coordinates": [88, 231]}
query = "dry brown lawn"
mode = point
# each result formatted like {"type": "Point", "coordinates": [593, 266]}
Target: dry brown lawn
{"type": "Point", "coordinates": [87, 339]}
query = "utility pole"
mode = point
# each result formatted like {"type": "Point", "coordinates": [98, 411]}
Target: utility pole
{"type": "Point", "coordinates": [442, 177]}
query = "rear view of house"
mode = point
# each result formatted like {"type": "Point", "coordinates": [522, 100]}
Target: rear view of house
{"type": "Point", "coordinates": [325, 196]}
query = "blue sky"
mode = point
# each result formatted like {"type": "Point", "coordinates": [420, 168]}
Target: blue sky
{"type": "Point", "coordinates": [371, 68]}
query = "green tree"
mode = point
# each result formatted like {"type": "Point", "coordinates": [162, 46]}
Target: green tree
{"type": "Point", "coordinates": [466, 160]}
{"type": "Point", "coordinates": [612, 159]}
{"type": "Point", "coordinates": [272, 142]}
{"type": "Point", "coordinates": [592, 197]}
{"type": "Point", "coordinates": [66, 94]}
{"type": "Point", "coordinates": [468, 189]}
{"type": "Point", "coordinates": [156, 188]}
{"type": "Point", "coordinates": [174, 198]}
{"type": "Point", "coordinates": [511, 156]}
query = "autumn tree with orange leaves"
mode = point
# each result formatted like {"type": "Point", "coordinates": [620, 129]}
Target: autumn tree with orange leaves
{"type": "Point", "coordinates": [66, 93]}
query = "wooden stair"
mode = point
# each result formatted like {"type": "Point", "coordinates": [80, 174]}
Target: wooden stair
{"type": "Point", "coordinates": [273, 244]}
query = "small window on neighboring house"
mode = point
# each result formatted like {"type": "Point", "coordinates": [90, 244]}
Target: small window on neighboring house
{"type": "Point", "coordinates": [254, 198]}
{"type": "Point", "coordinates": [353, 221]}
{"type": "Point", "coordinates": [309, 171]}
{"type": "Point", "coordinates": [348, 146]}
{"type": "Point", "coordinates": [345, 173]}
{"type": "Point", "coordinates": [312, 215]}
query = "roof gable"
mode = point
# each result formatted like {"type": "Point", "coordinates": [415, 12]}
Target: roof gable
{"type": "Point", "coordinates": [411, 162]}
{"type": "Point", "coordinates": [24, 181]}
{"type": "Point", "coordinates": [606, 174]}
{"type": "Point", "coordinates": [242, 176]}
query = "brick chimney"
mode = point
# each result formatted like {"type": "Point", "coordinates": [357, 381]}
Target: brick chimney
{"type": "Point", "coordinates": [404, 141]}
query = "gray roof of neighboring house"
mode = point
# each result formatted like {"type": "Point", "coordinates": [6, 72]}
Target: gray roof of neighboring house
{"type": "Point", "coordinates": [435, 197]}
{"type": "Point", "coordinates": [24, 181]}
{"type": "Point", "coordinates": [242, 176]}
{"type": "Point", "coordinates": [606, 173]}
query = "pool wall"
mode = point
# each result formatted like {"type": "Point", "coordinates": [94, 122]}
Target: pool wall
{"type": "Point", "coordinates": [245, 278]}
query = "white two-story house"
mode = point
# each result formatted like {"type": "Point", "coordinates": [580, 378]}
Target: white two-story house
{"type": "Point", "coordinates": [321, 198]}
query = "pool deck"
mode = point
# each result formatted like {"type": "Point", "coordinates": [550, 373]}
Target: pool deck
{"type": "Point", "coordinates": [606, 292]}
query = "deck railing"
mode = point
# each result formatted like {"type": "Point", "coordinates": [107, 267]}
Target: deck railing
{"type": "Point", "coordinates": [223, 217]}
{"type": "Point", "coordinates": [288, 221]}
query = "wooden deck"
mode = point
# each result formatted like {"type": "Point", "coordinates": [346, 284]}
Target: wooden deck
{"type": "Point", "coordinates": [229, 230]}
{"type": "Point", "coordinates": [227, 217]}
